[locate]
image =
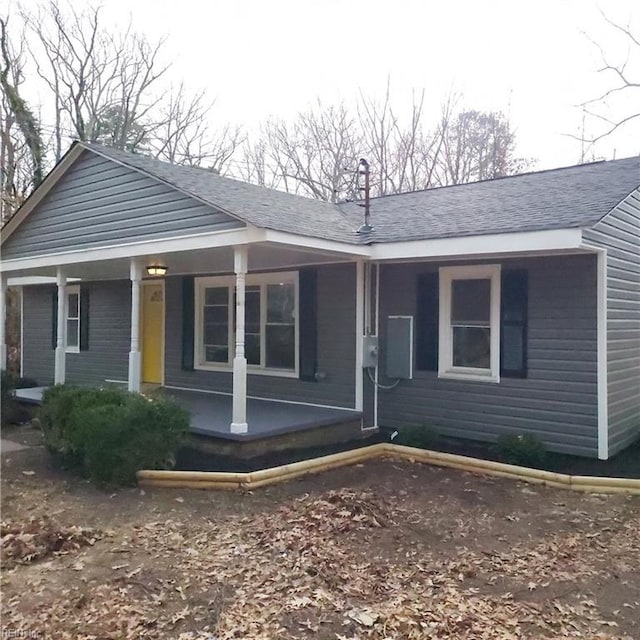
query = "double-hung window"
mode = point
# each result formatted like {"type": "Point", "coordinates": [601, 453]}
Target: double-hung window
{"type": "Point", "coordinates": [271, 323]}
{"type": "Point", "coordinates": [72, 315]}
{"type": "Point", "coordinates": [469, 346]}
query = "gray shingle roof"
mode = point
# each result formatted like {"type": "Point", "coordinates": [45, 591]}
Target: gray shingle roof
{"type": "Point", "coordinates": [576, 196]}
{"type": "Point", "coordinates": [559, 198]}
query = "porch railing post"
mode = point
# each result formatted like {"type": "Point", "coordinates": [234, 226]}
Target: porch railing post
{"type": "Point", "coordinates": [239, 419]}
{"type": "Point", "coordinates": [59, 375]}
{"type": "Point", "coordinates": [134, 353]}
{"type": "Point", "coordinates": [3, 321]}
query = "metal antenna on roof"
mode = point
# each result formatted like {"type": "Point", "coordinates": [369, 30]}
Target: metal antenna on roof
{"type": "Point", "coordinates": [366, 227]}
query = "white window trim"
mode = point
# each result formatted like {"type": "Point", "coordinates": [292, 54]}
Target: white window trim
{"type": "Point", "coordinates": [70, 290]}
{"type": "Point", "coordinates": [251, 280]}
{"type": "Point", "coordinates": [446, 369]}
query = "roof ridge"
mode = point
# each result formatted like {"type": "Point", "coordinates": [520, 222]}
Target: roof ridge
{"type": "Point", "coordinates": [500, 178]}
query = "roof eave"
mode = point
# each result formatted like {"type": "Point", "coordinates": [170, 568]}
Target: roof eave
{"type": "Point", "coordinates": [517, 243]}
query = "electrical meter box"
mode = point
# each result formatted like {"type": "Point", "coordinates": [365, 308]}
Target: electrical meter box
{"type": "Point", "coordinates": [369, 352]}
{"type": "Point", "coordinates": [399, 347]}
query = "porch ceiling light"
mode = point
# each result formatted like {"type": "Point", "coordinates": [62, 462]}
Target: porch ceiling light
{"type": "Point", "coordinates": [156, 270]}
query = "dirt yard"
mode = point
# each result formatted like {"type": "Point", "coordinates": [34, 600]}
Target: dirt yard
{"type": "Point", "coordinates": [384, 550]}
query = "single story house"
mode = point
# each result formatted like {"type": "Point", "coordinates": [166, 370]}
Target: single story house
{"type": "Point", "coordinates": [503, 306]}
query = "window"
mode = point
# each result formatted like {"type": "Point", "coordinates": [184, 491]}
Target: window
{"type": "Point", "coordinates": [216, 324]}
{"type": "Point", "coordinates": [469, 323]}
{"type": "Point", "coordinates": [72, 313]}
{"type": "Point", "coordinates": [280, 326]}
{"type": "Point", "coordinates": [271, 326]}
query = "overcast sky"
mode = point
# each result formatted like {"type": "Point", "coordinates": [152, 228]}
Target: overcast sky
{"type": "Point", "coordinates": [530, 60]}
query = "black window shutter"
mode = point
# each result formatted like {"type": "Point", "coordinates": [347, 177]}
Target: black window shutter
{"type": "Point", "coordinates": [513, 323]}
{"type": "Point", "coordinates": [54, 318]}
{"type": "Point", "coordinates": [84, 318]}
{"type": "Point", "coordinates": [308, 312]}
{"type": "Point", "coordinates": [188, 322]}
{"type": "Point", "coordinates": [427, 321]}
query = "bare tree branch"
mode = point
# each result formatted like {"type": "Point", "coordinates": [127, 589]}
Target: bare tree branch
{"type": "Point", "coordinates": [317, 154]}
{"type": "Point", "coordinates": [183, 135]}
{"type": "Point", "coordinates": [103, 84]}
{"type": "Point", "coordinates": [625, 83]}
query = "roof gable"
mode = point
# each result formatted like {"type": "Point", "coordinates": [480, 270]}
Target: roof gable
{"type": "Point", "coordinates": [259, 206]}
{"type": "Point", "coordinates": [96, 202]}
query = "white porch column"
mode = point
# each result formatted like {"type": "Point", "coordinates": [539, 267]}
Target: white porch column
{"type": "Point", "coordinates": [3, 322]}
{"type": "Point", "coordinates": [61, 339]}
{"type": "Point", "coordinates": [134, 353]}
{"type": "Point", "coordinates": [239, 419]}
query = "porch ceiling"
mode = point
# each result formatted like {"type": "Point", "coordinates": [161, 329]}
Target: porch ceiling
{"type": "Point", "coordinates": [262, 256]}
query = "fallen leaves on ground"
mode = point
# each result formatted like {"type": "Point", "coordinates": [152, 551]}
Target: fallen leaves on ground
{"type": "Point", "coordinates": [333, 565]}
{"type": "Point", "coordinates": [25, 542]}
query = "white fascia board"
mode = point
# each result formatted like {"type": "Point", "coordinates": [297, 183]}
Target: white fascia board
{"type": "Point", "coordinates": [36, 197]}
{"type": "Point", "coordinates": [209, 240]}
{"type": "Point", "coordinates": [498, 243]}
{"type": "Point", "coordinates": [316, 244]}
{"type": "Point", "coordinates": [26, 281]}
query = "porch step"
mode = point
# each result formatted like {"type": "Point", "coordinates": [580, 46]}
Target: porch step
{"type": "Point", "coordinates": [30, 395]}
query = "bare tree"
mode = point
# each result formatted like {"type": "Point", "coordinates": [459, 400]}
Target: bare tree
{"type": "Point", "coordinates": [625, 79]}
{"type": "Point", "coordinates": [314, 155]}
{"type": "Point", "coordinates": [317, 154]}
{"type": "Point", "coordinates": [183, 134]}
{"type": "Point", "coordinates": [254, 165]}
{"type": "Point", "coordinates": [478, 146]}
{"type": "Point", "coordinates": [404, 153]}
{"type": "Point", "coordinates": [102, 84]}
{"type": "Point", "coordinates": [21, 147]}
{"type": "Point", "coordinates": [110, 88]}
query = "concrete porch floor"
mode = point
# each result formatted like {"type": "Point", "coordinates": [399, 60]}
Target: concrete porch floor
{"type": "Point", "coordinates": [211, 414]}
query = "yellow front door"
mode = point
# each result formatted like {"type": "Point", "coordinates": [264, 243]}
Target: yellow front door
{"type": "Point", "coordinates": [152, 332]}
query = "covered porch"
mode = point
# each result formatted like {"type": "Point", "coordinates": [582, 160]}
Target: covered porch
{"type": "Point", "coordinates": [236, 402]}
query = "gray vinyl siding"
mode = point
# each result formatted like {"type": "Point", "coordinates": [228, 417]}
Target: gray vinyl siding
{"type": "Point", "coordinates": [619, 234]}
{"type": "Point", "coordinates": [37, 352]}
{"type": "Point", "coordinates": [100, 203]}
{"type": "Point", "coordinates": [109, 335]}
{"type": "Point", "coordinates": [557, 401]}
{"type": "Point", "coordinates": [336, 348]}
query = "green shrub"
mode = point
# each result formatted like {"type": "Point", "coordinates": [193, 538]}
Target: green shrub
{"type": "Point", "coordinates": [522, 449]}
{"type": "Point", "coordinates": [11, 411]}
{"type": "Point", "coordinates": [419, 436]}
{"type": "Point", "coordinates": [109, 434]}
